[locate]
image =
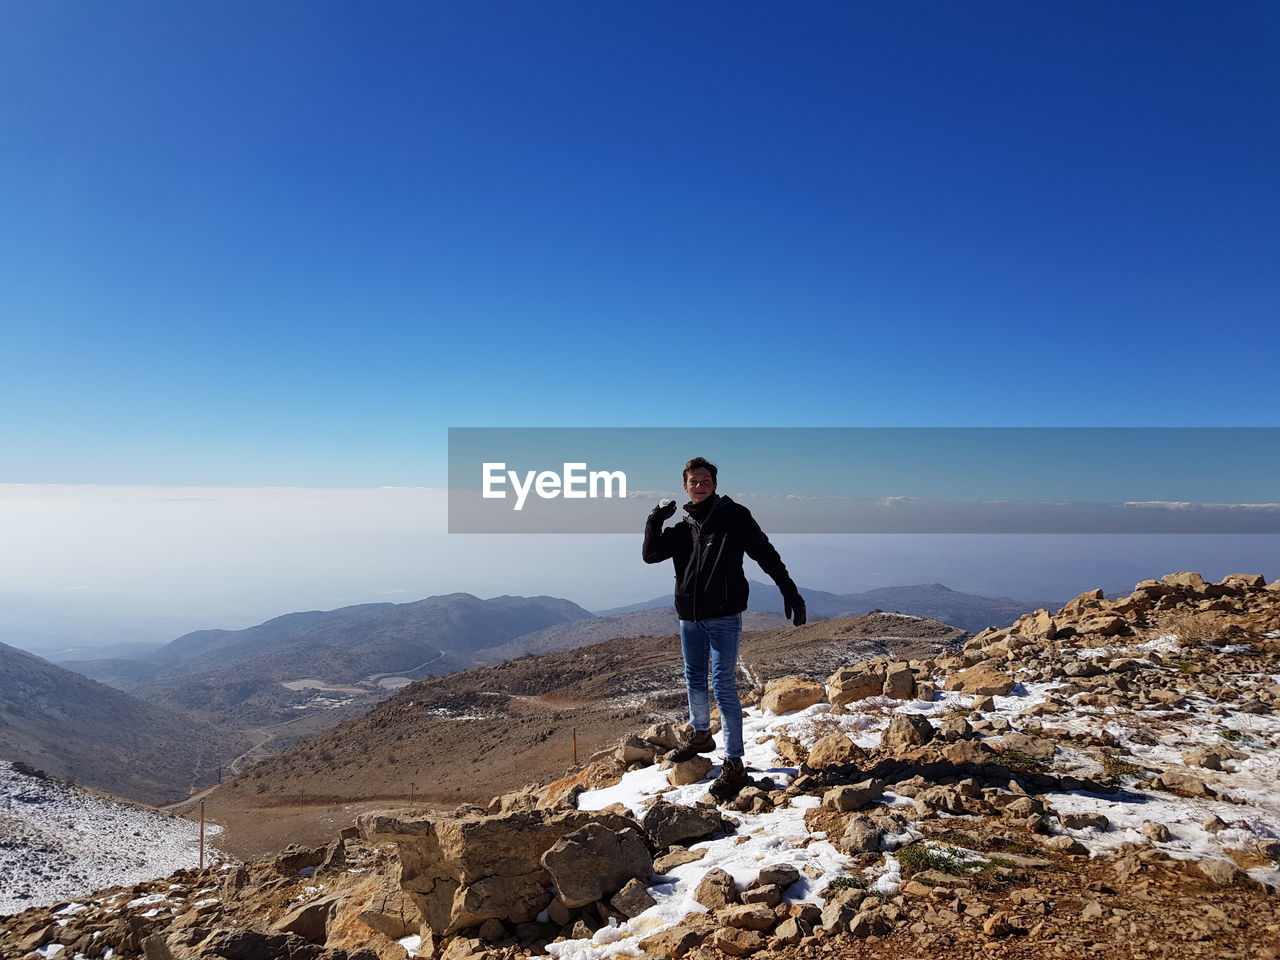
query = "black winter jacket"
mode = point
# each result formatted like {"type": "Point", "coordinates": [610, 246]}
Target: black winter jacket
{"type": "Point", "coordinates": [708, 559]}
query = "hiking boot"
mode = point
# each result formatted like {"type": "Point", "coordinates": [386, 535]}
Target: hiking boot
{"type": "Point", "coordinates": [733, 777]}
{"type": "Point", "coordinates": [700, 742]}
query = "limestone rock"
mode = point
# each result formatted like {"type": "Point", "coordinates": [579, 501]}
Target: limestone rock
{"type": "Point", "coordinates": [671, 823]}
{"type": "Point", "coordinates": [1037, 626]}
{"type": "Point", "coordinates": [1105, 626]}
{"type": "Point", "coordinates": [1183, 785]}
{"type": "Point", "coordinates": [870, 923]}
{"type": "Point", "coordinates": [716, 890]}
{"type": "Point", "coordinates": [855, 796]}
{"type": "Point", "coordinates": [1084, 821]}
{"type": "Point", "coordinates": [748, 916]}
{"type": "Point", "coordinates": [769, 895]}
{"type": "Point", "coordinates": [852, 683]}
{"type": "Point", "coordinates": [678, 856]}
{"type": "Point", "coordinates": [461, 871]}
{"type": "Point", "coordinates": [982, 680]}
{"type": "Point", "coordinates": [633, 749]}
{"type": "Point", "coordinates": [1064, 844]}
{"type": "Point", "coordinates": [899, 682]}
{"type": "Point", "coordinates": [672, 943]}
{"type": "Point", "coordinates": [310, 921]}
{"type": "Point", "coordinates": [778, 874]}
{"type": "Point", "coordinates": [1221, 871]}
{"type": "Point", "coordinates": [792, 930]}
{"type": "Point", "coordinates": [907, 730]}
{"type": "Point", "coordinates": [787, 694]}
{"type": "Point", "coordinates": [862, 834]}
{"type": "Point", "coordinates": [691, 771]}
{"type": "Point", "coordinates": [593, 862]}
{"type": "Point", "coordinates": [835, 750]}
{"type": "Point", "coordinates": [633, 899]}
{"type": "Point", "coordinates": [737, 943]}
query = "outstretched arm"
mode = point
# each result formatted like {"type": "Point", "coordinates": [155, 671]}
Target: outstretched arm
{"type": "Point", "coordinates": [759, 549]}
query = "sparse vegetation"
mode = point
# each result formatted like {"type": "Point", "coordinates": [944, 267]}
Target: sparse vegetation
{"type": "Point", "coordinates": [1232, 736]}
{"type": "Point", "coordinates": [845, 883]}
{"type": "Point", "coordinates": [1114, 768]}
{"type": "Point", "coordinates": [1016, 759]}
{"type": "Point", "coordinates": [1009, 845]}
{"type": "Point", "coordinates": [918, 857]}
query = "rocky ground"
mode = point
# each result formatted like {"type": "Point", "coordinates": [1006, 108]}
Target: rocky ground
{"type": "Point", "coordinates": [465, 737]}
{"type": "Point", "coordinates": [1103, 781]}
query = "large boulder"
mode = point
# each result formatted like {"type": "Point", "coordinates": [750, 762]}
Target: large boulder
{"type": "Point", "coordinates": [674, 823]}
{"type": "Point", "coordinates": [787, 694]}
{"type": "Point", "coordinates": [856, 682]}
{"type": "Point", "coordinates": [310, 921]}
{"type": "Point", "coordinates": [835, 750]}
{"type": "Point", "coordinates": [899, 682]}
{"type": "Point", "coordinates": [907, 730]}
{"type": "Point", "coordinates": [462, 871]}
{"type": "Point", "coordinates": [983, 680]}
{"type": "Point", "coordinates": [594, 862]}
{"type": "Point", "coordinates": [1037, 626]}
{"type": "Point", "coordinates": [691, 771]}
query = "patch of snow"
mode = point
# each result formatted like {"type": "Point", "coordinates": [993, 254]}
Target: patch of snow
{"type": "Point", "coordinates": [62, 842]}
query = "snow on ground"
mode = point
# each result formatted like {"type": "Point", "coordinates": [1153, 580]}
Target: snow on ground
{"type": "Point", "coordinates": [58, 842]}
{"type": "Point", "coordinates": [781, 836]}
{"type": "Point", "coordinates": [777, 837]}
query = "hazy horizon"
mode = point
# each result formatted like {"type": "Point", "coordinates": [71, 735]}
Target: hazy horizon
{"type": "Point", "coordinates": [89, 565]}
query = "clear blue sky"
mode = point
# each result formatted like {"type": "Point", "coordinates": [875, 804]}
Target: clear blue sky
{"type": "Point", "coordinates": [293, 242]}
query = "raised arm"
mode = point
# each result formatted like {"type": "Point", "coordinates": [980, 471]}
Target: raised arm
{"type": "Point", "coordinates": [657, 542]}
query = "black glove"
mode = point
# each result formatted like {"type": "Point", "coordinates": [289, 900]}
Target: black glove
{"type": "Point", "coordinates": [664, 510]}
{"type": "Point", "coordinates": [793, 607]}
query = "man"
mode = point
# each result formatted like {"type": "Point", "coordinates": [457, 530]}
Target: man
{"type": "Point", "coordinates": [711, 593]}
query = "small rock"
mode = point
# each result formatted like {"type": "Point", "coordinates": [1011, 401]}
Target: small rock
{"type": "Point", "coordinates": [1084, 821]}
{"type": "Point", "coordinates": [982, 680]}
{"type": "Point", "coordinates": [691, 771]}
{"type": "Point", "coordinates": [787, 694]}
{"type": "Point", "coordinates": [633, 899]}
{"type": "Point", "coordinates": [673, 943]}
{"type": "Point", "coordinates": [737, 943]}
{"type": "Point", "coordinates": [677, 857]}
{"type": "Point", "coordinates": [854, 796]}
{"type": "Point", "coordinates": [1222, 872]}
{"type": "Point", "coordinates": [1155, 831]}
{"type": "Point", "coordinates": [835, 750]}
{"type": "Point", "coordinates": [716, 890]}
{"type": "Point", "coordinates": [748, 916]}
{"type": "Point", "coordinates": [770, 895]}
{"type": "Point", "coordinates": [1067, 845]}
{"type": "Point", "coordinates": [907, 730]}
{"type": "Point", "coordinates": [780, 874]}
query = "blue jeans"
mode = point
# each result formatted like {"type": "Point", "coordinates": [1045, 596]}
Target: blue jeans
{"type": "Point", "coordinates": [714, 641]}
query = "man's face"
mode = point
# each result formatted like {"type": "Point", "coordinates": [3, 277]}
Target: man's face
{"type": "Point", "coordinates": [699, 485]}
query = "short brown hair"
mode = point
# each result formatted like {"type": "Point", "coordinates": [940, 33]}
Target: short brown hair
{"type": "Point", "coordinates": [698, 463]}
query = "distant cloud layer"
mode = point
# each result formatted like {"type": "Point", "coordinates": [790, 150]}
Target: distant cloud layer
{"type": "Point", "coordinates": [90, 564]}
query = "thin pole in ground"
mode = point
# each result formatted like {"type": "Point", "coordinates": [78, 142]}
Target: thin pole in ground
{"type": "Point", "coordinates": [202, 834]}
